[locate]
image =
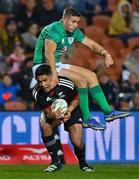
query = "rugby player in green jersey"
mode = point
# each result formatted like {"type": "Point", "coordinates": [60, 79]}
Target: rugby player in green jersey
{"type": "Point", "coordinates": [52, 42]}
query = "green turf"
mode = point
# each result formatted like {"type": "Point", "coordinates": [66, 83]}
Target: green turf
{"type": "Point", "coordinates": [106, 171]}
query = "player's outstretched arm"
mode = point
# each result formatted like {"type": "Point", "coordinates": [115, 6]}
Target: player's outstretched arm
{"type": "Point", "coordinates": [74, 103]}
{"type": "Point", "coordinates": [50, 47]}
{"type": "Point", "coordinates": [98, 49]}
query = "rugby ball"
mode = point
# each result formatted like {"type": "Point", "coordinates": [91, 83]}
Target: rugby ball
{"type": "Point", "coordinates": [59, 103]}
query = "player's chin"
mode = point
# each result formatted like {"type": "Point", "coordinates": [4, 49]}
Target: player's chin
{"type": "Point", "coordinates": [71, 30]}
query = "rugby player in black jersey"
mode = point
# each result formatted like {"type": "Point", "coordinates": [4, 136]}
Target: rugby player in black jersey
{"type": "Point", "coordinates": [49, 119]}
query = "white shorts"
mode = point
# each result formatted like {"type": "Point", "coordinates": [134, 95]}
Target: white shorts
{"type": "Point", "coordinates": [59, 66]}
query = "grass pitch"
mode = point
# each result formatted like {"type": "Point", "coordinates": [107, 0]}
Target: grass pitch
{"type": "Point", "coordinates": [103, 171]}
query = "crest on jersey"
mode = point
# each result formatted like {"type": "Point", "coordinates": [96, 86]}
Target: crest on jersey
{"type": "Point", "coordinates": [70, 40]}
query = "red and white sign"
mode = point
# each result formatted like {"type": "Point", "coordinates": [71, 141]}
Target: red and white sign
{"type": "Point", "coordinates": [32, 154]}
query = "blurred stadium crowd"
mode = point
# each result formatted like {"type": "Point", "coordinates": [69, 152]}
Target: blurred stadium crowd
{"type": "Point", "coordinates": [112, 23]}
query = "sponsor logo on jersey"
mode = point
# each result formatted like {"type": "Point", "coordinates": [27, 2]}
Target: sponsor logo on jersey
{"type": "Point", "coordinates": [80, 120]}
{"type": "Point", "coordinates": [48, 99]}
{"type": "Point", "coordinates": [64, 49]}
{"type": "Point", "coordinates": [62, 41]}
{"type": "Point", "coordinates": [61, 95]}
{"type": "Point", "coordinates": [70, 40]}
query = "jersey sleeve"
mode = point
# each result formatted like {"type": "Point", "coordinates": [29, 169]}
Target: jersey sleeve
{"type": "Point", "coordinates": [39, 97]}
{"type": "Point", "coordinates": [53, 35]}
{"type": "Point", "coordinates": [79, 35]}
{"type": "Point", "coordinates": [75, 92]}
{"type": "Point", "coordinates": [69, 89]}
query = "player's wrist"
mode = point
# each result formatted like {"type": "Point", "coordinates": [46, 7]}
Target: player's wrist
{"type": "Point", "coordinates": [105, 53]}
{"type": "Point", "coordinates": [71, 108]}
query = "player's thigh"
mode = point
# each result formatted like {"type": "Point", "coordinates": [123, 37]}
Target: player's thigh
{"type": "Point", "coordinates": [74, 125]}
{"type": "Point", "coordinates": [77, 78]}
{"type": "Point", "coordinates": [76, 134]}
{"type": "Point", "coordinates": [46, 128]}
{"type": "Point", "coordinates": [83, 71]}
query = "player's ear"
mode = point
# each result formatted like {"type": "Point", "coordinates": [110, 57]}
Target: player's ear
{"type": "Point", "coordinates": [63, 19]}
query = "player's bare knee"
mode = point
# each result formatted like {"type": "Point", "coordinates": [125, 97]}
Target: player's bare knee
{"type": "Point", "coordinates": [78, 143]}
{"type": "Point", "coordinates": [46, 129]}
{"type": "Point", "coordinates": [92, 80]}
{"type": "Point", "coordinates": [81, 81]}
{"type": "Point", "coordinates": [89, 78]}
{"type": "Point", "coordinates": [93, 74]}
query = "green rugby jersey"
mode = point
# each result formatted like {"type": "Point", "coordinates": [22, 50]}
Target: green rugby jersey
{"type": "Point", "coordinates": [56, 33]}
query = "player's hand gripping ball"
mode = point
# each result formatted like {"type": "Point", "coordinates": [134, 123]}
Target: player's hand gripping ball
{"type": "Point", "coordinates": [59, 104]}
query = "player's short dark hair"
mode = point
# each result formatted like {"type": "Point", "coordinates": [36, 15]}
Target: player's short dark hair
{"type": "Point", "coordinates": [43, 69]}
{"type": "Point", "coordinates": [70, 11]}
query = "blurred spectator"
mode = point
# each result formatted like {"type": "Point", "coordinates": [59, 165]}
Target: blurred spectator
{"type": "Point", "coordinates": [100, 67]}
{"type": "Point", "coordinates": [78, 4]}
{"type": "Point", "coordinates": [9, 37]}
{"type": "Point", "coordinates": [30, 37]}
{"type": "Point", "coordinates": [131, 85]}
{"type": "Point", "coordinates": [131, 63]}
{"type": "Point", "coordinates": [124, 103]}
{"type": "Point", "coordinates": [135, 17]}
{"type": "Point", "coordinates": [110, 89]}
{"type": "Point", "coordinates": [8, 91]}
{"type": "Point", "coordinates": [15, 60]}
{"type": "Point", "coordinates": [47, 13]}
{"type": "Point", "coordinates": [97, 7]}
{"type": "Point", "coordinates": [23, 78]}
{"type": "Point", "coordinates": [120, 24]}
{"type": "Point", "coordinates": [3, 66]}
{"type": "Point", "coordinates": [8, 6]}
{"type": "Point", "coordinates": [135, 102]}
{"type": "Point", "coordinates": [127, 90]}
{"type": "Point", "coordinates": [86, 7]}
{"type": "Point", "coordinates": [26, 12]}
{"type": "Point", "coordinates": [124, 74]}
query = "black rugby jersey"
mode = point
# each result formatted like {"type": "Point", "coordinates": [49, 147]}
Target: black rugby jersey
{"type": "Point", "coordinates": [65, 90]}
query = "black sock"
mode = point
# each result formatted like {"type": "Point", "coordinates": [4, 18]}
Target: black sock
{"type": "Point", "coordinates": [51, 146]}
{"type": "Point", "coordinates": [80, 155]}
{"type": "Point", "coordinates": [60, 152]}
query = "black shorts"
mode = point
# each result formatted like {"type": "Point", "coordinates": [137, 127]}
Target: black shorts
{"type": "Point", "coordinates": [76, 118]}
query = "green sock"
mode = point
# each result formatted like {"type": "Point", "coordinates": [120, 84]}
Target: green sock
{"type": "Point", "coordinates": [98, 95]}
{"type": "Point", "coordinates": [83, 103]}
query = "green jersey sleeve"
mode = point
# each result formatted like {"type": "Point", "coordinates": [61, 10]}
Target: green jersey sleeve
{"type": "Point", "coordinates": [79, 35]}
{"type": "Point", "coordinates": [53, 35]}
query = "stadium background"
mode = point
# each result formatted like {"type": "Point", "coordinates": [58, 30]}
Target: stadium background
{"type": "Point", "coordinates": [19, 128]}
